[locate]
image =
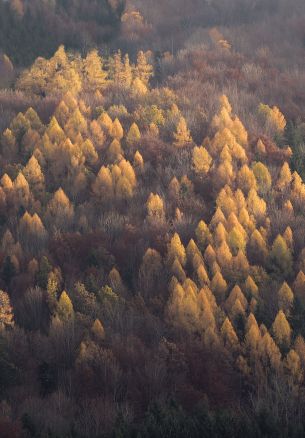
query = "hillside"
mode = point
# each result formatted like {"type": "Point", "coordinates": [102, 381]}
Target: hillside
{"type": "Point", "coordinates": [152, 216]}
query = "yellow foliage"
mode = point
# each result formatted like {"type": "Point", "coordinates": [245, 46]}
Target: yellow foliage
{"type": "Point", "coordinates": [285, 298]}
{"type": "Point", "coordinates": [219, 286]}
{"type": "Point", "coordinates": [175, 249]}
{"type": "Point", "coordinates": [273, 116]}
{"type": "Point", "coordinates": [65, 310]}
{"type": "Point", "coordinates": [281, 329]}
{"type": "Point", "coordinates": [201, 160]}
{"type": "Point", "coordinates": [155, 207]}
{"type": "Point", "coordinates": [228, 334]}
{"type": "Point", "coordinates": [133, 136]}
{"type": "Point", "coordinates": [182, 136]}
{"type": "Point", "coordinates": [203, 234]}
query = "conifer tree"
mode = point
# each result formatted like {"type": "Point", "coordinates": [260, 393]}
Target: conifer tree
{"type": "Point", "coordinates": [202, 276]}
{"type": "Point", "coordinates": [65, 310]}
{"type": "Point", "coordinates": [228, 334]}
{"type": "Point", "coordinates": [93, 72]}
{"type": "Point", "coordinates": [257, 248]}
{"type": "Point", "coordinates": [280, 257]}
{"type": "Point", "coordinates": [262, 176]}
{"type": "Point", "coordinates": [281, 329]}
{"type": "Point", "coordinates": [299, 287]}
{"type": "Point", "coordinates": [117, 130]}
{"type": "Point", "coordinates": [203, 234]}
{"type": "Point", "coordinates": [236, 240]}
{"type": "Point", "coordinates": [98, 330]}
{"type": "Point", "coordinates": [60, 211]}
{"type": "Point", "coordinates": [182, 136]}
{"type": "Point", "coordinates": [269, 351]}
{"type": "Point", "coordinates": [175, 249]}
{"type": "Point", "coordinates": [21, 191]}
{"type": "Point", "coordinates": [284, 178]}
{"type": "Point", "coordinates": [285, 298]}
{"type": "Point", "coordinates": [293, 365]}
{"type": "Point", "coordinates": [138, 161]}
{"type": "Point", "coordinates": [219, 286]}
{"type": "Point", "coordinates": [155, 208]}
{"type": "Point", "coordinates": [201, 160]}
{"type": "Point", "coordinates": [103, 186]}
{"type": "Point", "coordinates": [224, 255]}
{"type": "Point", "coordinates": [35, 177]}
{"type": "Point", "coordinates": [246, 179]}
{"type": "Point", "coordinates": [143, 70]}
{"type": "Point", "coordinates": [133, 136]}
{"type": "Point", "coordinates": [6, 310]}
{"type": "Point", "coordinates": [105, 122]}
{"type": "Point", "coordinates": [250, 287]}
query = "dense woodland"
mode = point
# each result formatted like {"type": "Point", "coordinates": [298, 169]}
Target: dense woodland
{"type": "Point", "coordinates": [152, 219]}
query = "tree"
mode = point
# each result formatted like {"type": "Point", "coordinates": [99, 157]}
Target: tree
{"type": "Point", "coordinates": [257, 249]}
{"type": "Point", "coordinates": [202, 276]}
{"type": "Point", "coordinates": [262, 176]}
{"type": "Point", "coordinates": [269, 351]}
{"type": "Point", "coordinates": [256, 205]}
{"type": "Point", "coordinates": [126, 73]}
{"type": "Point", "coordinates": [228, 335]}
{"type": "Point", "coordinates": [250, 287]}
{"type": "Point", "coordinates": [253, 335]}
{"type": "Point", "coordinates": [281, 329]}
{"type": "Point", "coordinates": [21, 191]}
{"type": "Point", "coordinates": [138, 161]}
{"type": "Point", "coordinates": [35, 177]}
{"type": "Point", "coordinates": [260, 147]}
{"type": "Point", "coordinates": [219, 286]}
{"type": "Point", "coordinates": [175, 249]}
{"type": "Point", "coordinates": [203, 234]}
{"type": "Point", "coordinates": [150, 273]}
{"type": "Point", "coordinates": [115, 153]}
{"type": "Point", "coordinates": [280, 257]}
{"type": "Point", "coordinates": [133, 136]}
{"type": "Point", "coordinates": [193, 253]}
{"type": "Point", "coordinates": [52, 292]}
{"type": "Point", "coordinates": [105, 122]}
{"type": "Point", "coordinates": [236, 240]}
{"type": "Point", "coordinates": [60, 211]}
{"type": "Point", "coordinates": [94, 75]}
{"type": "Point", "coordinates": [220, 234]}
{"type": "Point", "coordinates": [293, 365]}
{"type": "Point", "coordinates": [182, 136]}
{"type": "Point", "coordinates": [201, 160]}
{"type": "Point", "coordinates": [103, 185]}
{"type": "Point", "coordinates": [299, 287]}
{"type": "Point", "coordinates": [285, 298]}
{"type": "Point", "coordinates": [117, 130]}
{"type": "Point", "coordinates": [224, 255]}
{"type": "Point", "coordinates": [143, 70]}
{"type": "Point", "coordinates": [98, 330]}
{"type": "Point", "coordinates": [236, 294]}
{"type": "Point", "coordinates": [246, 179]}
{"type": "Point", "coordinates": [273, 116]}
{"type": "Point", "coordinates": [33, 232]}
{"type": "Point", "coordinates": [178, 271]}
{"type": "Point", "coordinates": [155, 208]}
{"type": "Point", "coordinates": [284, 178]}
{"type": "Point", "coordinates": [6, 310]}
{"type": "Point", "coordinates": [65, 308]}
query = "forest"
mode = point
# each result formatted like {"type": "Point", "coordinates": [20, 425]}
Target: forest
{"type": "Point", "coordinates": [152, 219]}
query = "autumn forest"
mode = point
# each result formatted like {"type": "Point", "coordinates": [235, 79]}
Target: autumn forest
{"type": "Point", "coordinates": [152, 219]}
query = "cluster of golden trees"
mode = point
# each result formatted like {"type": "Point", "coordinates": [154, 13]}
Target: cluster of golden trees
{"type": "Point", "coordinates": [204, 235]}
{"type": "Point", "coordinates": [66, 72]}
{"type": "Point", "coordinates": [219, 280]}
